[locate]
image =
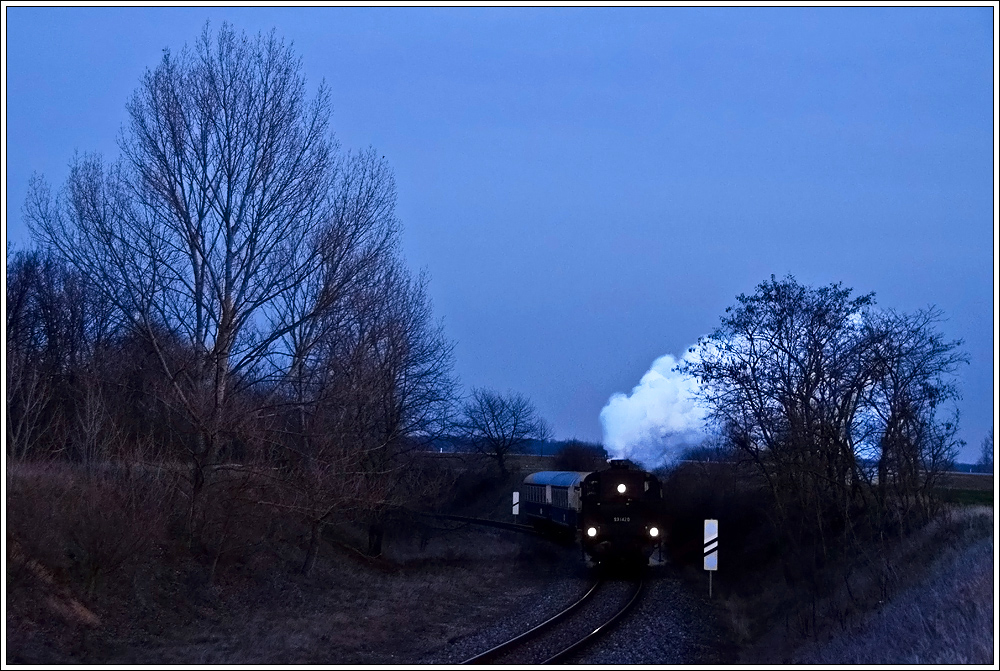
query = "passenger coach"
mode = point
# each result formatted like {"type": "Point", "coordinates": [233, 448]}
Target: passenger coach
{"type": "Point", "coordinates": [552, 499]}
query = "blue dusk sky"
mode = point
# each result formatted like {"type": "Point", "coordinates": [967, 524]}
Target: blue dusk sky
{"type": "Point", "coordinates": [590, 188]}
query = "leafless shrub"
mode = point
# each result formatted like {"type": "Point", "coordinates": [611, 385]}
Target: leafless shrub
{"type": "Point", "coordinates": [239, 526]}
{"type": "Point", "coordinates": [88, 525]}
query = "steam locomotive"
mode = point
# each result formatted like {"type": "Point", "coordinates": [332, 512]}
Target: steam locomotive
{"type": "Point", "coordinates": [616, 512]}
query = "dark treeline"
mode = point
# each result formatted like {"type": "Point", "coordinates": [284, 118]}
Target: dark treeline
{"type": "Point", "coordinates": [62, 343]}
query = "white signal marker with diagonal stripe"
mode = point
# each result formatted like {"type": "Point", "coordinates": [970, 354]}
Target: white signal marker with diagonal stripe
{"type": "Point", "coordinates": [711, 548]}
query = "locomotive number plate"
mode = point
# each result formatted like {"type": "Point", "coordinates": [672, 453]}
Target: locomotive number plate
{"type": "Point", "coordinates": [622, 519]}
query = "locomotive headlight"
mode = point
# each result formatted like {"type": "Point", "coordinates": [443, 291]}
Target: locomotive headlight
{"type": "Point", "coordinates": [592, 531]}
{"type": "Point", "coordinates": [654, 532]}
{"type": "Point", "coordinates": [621, 488]}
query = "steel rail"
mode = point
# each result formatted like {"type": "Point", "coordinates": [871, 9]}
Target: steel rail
{"type": "Point", "coordinates": [555, 659]}
{"type": "Point", "coordinates": [507, 645]}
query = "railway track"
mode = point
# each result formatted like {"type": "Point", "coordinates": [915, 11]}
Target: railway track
{"type": "Point", "coordinates": [570, 630]}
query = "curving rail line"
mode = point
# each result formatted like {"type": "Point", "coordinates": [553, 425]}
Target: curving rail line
{"type": "Point", "coordinates": [557, 618]}
{"type": "Point", "coordinates": [592, 636]}
{"type": "Point", "coordinates": [514, 642]}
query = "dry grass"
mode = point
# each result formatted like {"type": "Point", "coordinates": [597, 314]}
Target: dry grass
{"type": "Point", "coordinates": [347, 614]}
{"type": "Point", "coordinates": [926, 599]}
{"type": "Point", "coordinates": [947, 619]}
{"type": "Point", "coordinates": [97, 573]}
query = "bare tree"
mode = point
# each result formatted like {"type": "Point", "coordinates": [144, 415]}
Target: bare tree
{"type": "Point", "coordinates": [812, 386]}
{"type": "Point", "coordinates": [214, 211]}
{"type": "Point", "coordinates": [358, 239]}
{"type": "Point", "coordinates": [985, 462]}
{"type": "Point", "coordinates": [784, 376]}
{"type": "Point", "coordinates": [386, 387]}
{"type": "Point", "coordinates": [410, 363]}
{"type": "Point", "coordinates": [362, 372]}
{"type": "Point", "coordinates": [912, 369]}
{"type": "Point", "coordinates": [27, 397]}
{"type": "Point", "coordinates": [500, 424]}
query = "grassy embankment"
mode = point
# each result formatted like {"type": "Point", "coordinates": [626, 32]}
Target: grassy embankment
{"type": "Point", "coordinates": [943, 612]}
{"type": "Point", "coordinates": [99, 571]}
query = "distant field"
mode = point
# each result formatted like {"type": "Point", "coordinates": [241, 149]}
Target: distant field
{"type": "Point", "coordinates": [977, 481]}
{"type": "Point", "coordinates": [967, 488]}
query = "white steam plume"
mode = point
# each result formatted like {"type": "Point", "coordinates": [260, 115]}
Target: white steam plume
{"type": "Point", "coordinates": [654, 424]}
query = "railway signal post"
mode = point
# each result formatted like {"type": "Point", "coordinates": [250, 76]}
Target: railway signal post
{"type": "Point", "coordinates": [711, 550]}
